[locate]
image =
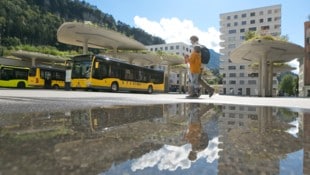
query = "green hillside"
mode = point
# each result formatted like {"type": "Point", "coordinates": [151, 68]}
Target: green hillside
{"type": "Point", "coordinates": [35, 22]}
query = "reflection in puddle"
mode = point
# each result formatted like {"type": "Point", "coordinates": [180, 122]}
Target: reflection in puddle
{"type": "Point", "coordinates": [157, 139]}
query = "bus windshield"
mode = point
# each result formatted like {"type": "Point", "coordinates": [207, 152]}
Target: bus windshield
{"type": "Point", "coordinates": [81, 68]}
{"type": "Point", "coordinates": [32, 72]}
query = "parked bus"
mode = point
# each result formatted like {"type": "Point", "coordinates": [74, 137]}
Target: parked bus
{"type": "Point", "coordinates": [46, 77]}
{"type": "Point", "coordinates": [98, 72]}
{"type": "Point", "coordinates": [13, 76]}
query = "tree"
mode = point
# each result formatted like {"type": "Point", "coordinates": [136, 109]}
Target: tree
{"type": "Point", "coordinates": [288, 85]}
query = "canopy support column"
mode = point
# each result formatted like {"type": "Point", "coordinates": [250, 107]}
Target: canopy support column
{"type": "Point", "coordinates": [85, 46]}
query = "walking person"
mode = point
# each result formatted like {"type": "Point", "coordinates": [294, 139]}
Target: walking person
{"type": "Point", "coordinates": [194, 41]}
{"type": "Point", "coordinates": [195, 133]}
{"type": "Point", "coordinates": [194, 61]}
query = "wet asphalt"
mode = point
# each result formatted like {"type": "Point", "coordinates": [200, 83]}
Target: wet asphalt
{"type": "Point", "coordinates": [38, 100]}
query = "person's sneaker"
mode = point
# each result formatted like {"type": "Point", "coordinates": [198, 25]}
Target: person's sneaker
{"type": "Point", "coordinates": [190, 96]}
{"type": "Point", "coordinates": [196, 95]}
{"type": "Point", "coordinates": [211, 93]}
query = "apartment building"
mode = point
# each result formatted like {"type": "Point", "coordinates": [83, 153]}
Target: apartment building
{"type": "Point", "coordinates": [178, 48]}
{"type": "Point", "coordinates": [239, 79]}
{"type": "Point", "coordinates": [304, 65]}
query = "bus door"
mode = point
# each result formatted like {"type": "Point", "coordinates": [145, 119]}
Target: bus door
{"type": "Point", "coordinates": [47, 79]}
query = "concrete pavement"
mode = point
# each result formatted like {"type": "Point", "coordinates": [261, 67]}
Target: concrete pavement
{"type": "Point", "coordinates": [17, 96]}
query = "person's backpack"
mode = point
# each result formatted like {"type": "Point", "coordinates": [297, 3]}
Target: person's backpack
{"type": "Point", "coordinates": [205, 55]}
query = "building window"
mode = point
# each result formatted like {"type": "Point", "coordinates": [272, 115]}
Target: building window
{"type": "Point", "coordinates": [269, 19]}
{"type": "Point", "coordinates": [232, 108]}
{"type": "Point", "coordinates": [253, 75]}
{"type": "Point", "coordinates": [277, 18]}
{"type": "Point", "coordinates": [231, 46]}
{"type": "Point", "coordinates": [241, 82]}
{"type": "Point", "coordinates": [230, 39]}
{"type": "Point", "coordinates": [228, 17]}
{"type": "Point", "coordinates": [261, 20]}
{"type": "Point", "coordinates": [252, 21]}
{"type": "Point", "coordinates": [242, 30]}
{"type": "Point", "coordinates": [265, 28]}
{"type": "Point", "coordinates": [242, 37]}
{"type": "Point", "coordinates": [252, 14]}
{"type": "Point", "coordinates": [232, 82]}
{"type": "Point", "coordinates": [252, 29]}
{"type": "Point", "coordinates": [177, 47]}
{"type": "Point", "coordinates": [232, 31]}
{"type": "Point", "coordinates": [232, 75]}
{"type": "Point", "coordinates": [231, 67]}
{"type": "Point", "coordinates": [166, 48]}
{"type": "Point", "coordinates": [235, 23]}
{"type": "Point", "coordinates": [242, 67]}
{"type": "Point", "coordinates": [252, 82]}
{"type": "Point", "coordinates": [274, 82]}
{"type": "Point", "coordinates": [261, 13]}
{"type": "Point", "coordinates": [243, 15]}
{"type": "Point", "coordinates": [236, 17]}
{"type": "Point", "coordinates": [243, 23]}
{"type": "Point", "coordinates": [241, 74]}
{"type": "Point", "coordinates": [269, 11]}
{"type": "Point", "coordinates": [276, 10]}
{"type": "Point", "coordinates": [228, 25]}
{"type": "Point", "coordinates": [171, 47]}
{"type": "Point", "coordinates": [251, 109]}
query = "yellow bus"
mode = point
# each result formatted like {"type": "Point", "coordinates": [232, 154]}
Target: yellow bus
{"type": "Point", "coordinates": [13, 76]}
{"type": "Point", "coordinates": [99, 72]}
{"type": "Point", "coordinates": [46, 77]}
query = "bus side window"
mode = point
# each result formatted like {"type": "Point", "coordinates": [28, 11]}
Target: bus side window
{"type": "Point", "coordinates": [104, 70]}
{"type": "Point", "coordinates": [4, 75]}
{"type": "Point", "coordinates": [8, 74]}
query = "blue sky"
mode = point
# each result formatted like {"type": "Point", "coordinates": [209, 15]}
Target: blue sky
{"type": "Point", "coordinates": [176, 20]}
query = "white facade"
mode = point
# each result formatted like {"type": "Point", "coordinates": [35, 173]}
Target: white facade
{"type": "Point", "coordinates": [178, 48]}
{"type": "Point", "coordinates": [237, 78]}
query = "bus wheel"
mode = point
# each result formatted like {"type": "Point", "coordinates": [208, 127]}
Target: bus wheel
{"type": "Point", "coordinates": [55, 86]}
{"type": "Point", "coordinates": [150, 90]}
{"type": "Point", "coordinates": [114, 87]}
{"type": "Point", "coordinates": [21, 85]}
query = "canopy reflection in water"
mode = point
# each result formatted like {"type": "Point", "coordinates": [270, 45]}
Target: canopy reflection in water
{"type": "Point", "coordinates": [152, 140]}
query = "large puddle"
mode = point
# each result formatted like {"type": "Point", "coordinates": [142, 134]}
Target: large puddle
{"type": "Point", "coordinates": [177, 139]}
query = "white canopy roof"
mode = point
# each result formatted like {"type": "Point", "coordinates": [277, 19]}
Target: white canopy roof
{"type": "Point", "coordinates": [78, 34]}
{"type": "Point", "coordinates": [272, 50]}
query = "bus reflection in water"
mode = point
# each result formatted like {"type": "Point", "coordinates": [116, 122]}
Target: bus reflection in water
{"type": "Point", "coordinates": [103, 73]}
{"type": "Point", "coordinates": [98, 119]}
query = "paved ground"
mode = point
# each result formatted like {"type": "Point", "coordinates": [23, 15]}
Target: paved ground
{"type": "Point", "coordinates": [13, 100]}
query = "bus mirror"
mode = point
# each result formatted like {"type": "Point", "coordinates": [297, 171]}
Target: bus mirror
{"type": "Point", "coordinates": [97, 65]}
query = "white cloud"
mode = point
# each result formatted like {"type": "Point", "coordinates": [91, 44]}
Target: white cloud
{"type": "Point", "coordinates": [295, 63]}
{"type": "Point", "coordinates": [176, 30]}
